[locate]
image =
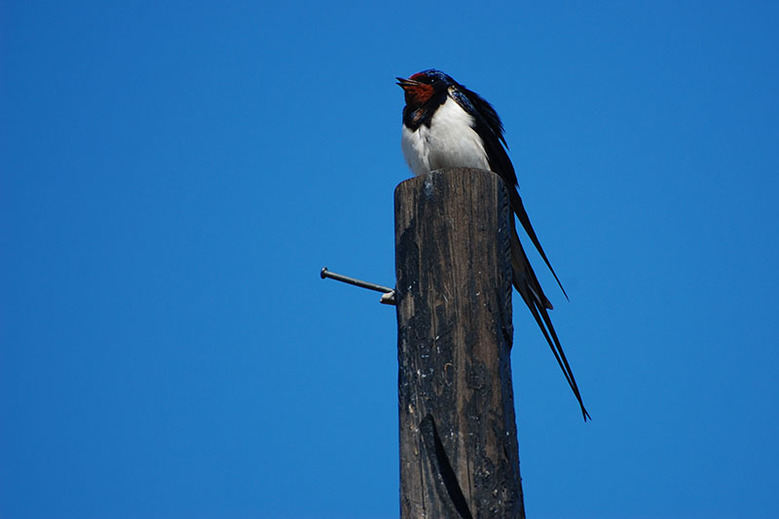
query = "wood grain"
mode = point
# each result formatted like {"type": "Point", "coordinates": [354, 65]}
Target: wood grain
{"type": "Point", "coordinates": [458, 440]}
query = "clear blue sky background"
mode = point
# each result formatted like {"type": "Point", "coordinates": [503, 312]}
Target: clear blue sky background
{"type": "Point", "coordinates": [175, 174]}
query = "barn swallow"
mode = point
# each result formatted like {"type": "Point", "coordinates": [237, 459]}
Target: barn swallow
{"type": "Point", "coordinates": [445, 125]}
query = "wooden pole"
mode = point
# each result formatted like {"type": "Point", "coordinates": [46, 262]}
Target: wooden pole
{"type": "Point", "coordinates": [458, 439]}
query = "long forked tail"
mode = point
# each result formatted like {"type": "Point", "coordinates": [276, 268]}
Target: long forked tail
{"type": "Point", "coordinates": [529, 288]}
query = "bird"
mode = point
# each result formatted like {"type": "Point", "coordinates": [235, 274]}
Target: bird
{"type": "Point", "coordinates": [446, 125]}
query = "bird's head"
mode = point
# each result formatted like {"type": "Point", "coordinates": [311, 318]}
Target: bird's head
{"type": "Point", "coordinates": [423, 86]}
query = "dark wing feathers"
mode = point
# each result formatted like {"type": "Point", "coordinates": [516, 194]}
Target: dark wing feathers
{"type": "Point", "coordinates": [490, 129]}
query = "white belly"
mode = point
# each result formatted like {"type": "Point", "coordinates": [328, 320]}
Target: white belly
{"type": "Point", "coordinates": [449, 142]}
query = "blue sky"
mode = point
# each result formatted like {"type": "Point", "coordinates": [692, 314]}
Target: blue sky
{"type": "Point", "coordinates": [174, 175]}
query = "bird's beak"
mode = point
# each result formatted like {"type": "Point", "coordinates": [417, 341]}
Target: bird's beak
{"type": "Point", "coordinates": [406, 83]}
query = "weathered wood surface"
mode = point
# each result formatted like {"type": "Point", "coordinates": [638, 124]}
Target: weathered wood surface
{"type": "Point", "coordinates": [458, 440]}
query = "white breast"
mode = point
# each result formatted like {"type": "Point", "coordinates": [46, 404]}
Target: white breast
{"type": "Point", "coordinates": [449, 142]}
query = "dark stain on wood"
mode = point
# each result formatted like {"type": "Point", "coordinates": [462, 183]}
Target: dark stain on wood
{"type": "Point", "coordinates": [458, 438]}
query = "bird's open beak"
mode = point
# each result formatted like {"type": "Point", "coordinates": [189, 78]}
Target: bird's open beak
{"type": "Point", "coordinates": [406, 83]}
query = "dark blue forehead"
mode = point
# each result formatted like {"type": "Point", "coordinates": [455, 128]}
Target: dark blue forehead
{"type": "Point", "coordinates": [432, 75]}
